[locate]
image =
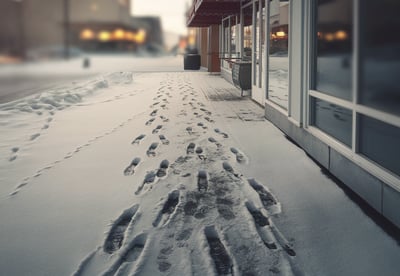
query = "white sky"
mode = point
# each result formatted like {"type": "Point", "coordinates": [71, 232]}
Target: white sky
{"type": "Point", "coordinates": [172, 12]}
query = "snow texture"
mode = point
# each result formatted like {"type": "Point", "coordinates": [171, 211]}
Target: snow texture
{"type": "Point", "coordinates": [155, 174]}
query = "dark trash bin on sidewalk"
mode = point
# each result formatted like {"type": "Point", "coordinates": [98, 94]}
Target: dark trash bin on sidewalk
{"type": "Point", "coordinates": [191, 60]}
{"type": "Point", "coordinates": [241, 75]}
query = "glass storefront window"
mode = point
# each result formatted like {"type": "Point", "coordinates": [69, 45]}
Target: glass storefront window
{"type": "Point", "coordinates": [380, 142]}
{"type": "Point", "coordinates": [334, 54]}
{"type": "Point", "coordinates": [333, 119]}
{"type": "Point", "coordinates": [247, 32]}
{"type": "Point", "coordinates": [225, 43]}
{"type": "Point", "coordinates": [257, 54]}
{"type": "Point", "coordinates": [278, 82]}
{"type": "Point", "coordinates": [380, 55]}
{"type": "Point", "coordinates": [229, 41]}
{"type": "Point", "coordinates": [233, 37]}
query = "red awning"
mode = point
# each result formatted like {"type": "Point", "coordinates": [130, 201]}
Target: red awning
{"type": "Point", "coordinates": [204, 13]}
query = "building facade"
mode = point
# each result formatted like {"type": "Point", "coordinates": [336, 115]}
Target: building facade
{"type": "Point", "coordinates": [326, 72]}
{"type": "Point", "coordinates": [52, 25]}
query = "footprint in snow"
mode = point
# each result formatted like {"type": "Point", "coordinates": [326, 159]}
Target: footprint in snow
{"type": "Point", "coordinates": [149, 122]}
{"type": "Point", "coordinates": [148, 179]}
{"type": "Point", "coordinates": [202, 125]}
{"type": "Point", "coordinates": [267, 199]}
{"type": "Point", "coordinates": [168, 208]}
{"type": "Point", "coordinates": [206, 111]}
{"type": "Point", "coordinates": [189, 130]}
{"type": "Point", "coordinates": [151, 150]}
{"type": "Point", "coordinates": [212, 140]}
{"type": "Point", "coordinates": [164, 119]}
{"type": "Point", "coordinates": [190, 148]}
{"type": "Point", "coordinates": [209, 119]}
{"type": "Point", "coordinates": [239, 156]}
{"type": "Point", "coordinates": [163, 139]}
{"type": "Point", "coordinates": [202, 181]}
{"type": "Point", "coordinates": [227, 167]}
{"type": "Point", "coordinates": [138, 139]}
{"type": "Point", "coordinates": [129, 255]}
{"type": "Point", "coordinates": [157, 129]}
{"type": "Point", "coordinates": [116, 236]}
{"type": "Point", "coordinates": [221, 133]}
{"type": "Point", "coordinates": [199, 152]}
{"type": "Point", "coordinates": [34, 136]}
{"type": "Point", "coordinates": [162, 171]}
{"type": "Point", "coordinates": [260, 221]}
{"type": "Point", "coordinates": [154, 112]}
{"type": "Point", "coordinates": [222, 261]}
{"type": "Point", "coordinates": [131, 168]}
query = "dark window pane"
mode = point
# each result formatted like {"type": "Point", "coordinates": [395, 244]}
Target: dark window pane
{"type": "Point", "coordinates": [380, 55]}
{"type": "Point", "coordinates": [380, 142]}
{"type": "Point", "coordinates": [333, 64]}
{"type": "Point", "coordinates": [333, 119]}
{"type": "Point", "coordinates": [278, 86]}
{"type": "Point", "coordinates": [247, 32]}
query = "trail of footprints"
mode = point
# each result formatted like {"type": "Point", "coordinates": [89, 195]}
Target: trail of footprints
{"type": "Point", "coordinates": [26, 180]}
{"type": "Point", "coordinates": [191, 203]}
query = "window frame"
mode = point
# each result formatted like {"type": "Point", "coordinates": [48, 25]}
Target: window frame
{"type": "Point", "coordinates": [353, 153]}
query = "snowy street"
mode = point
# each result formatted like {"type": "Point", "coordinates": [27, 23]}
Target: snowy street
{"type": "Point", "coordinates": [144, 169]}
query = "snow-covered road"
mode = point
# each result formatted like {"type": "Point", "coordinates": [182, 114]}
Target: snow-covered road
{"type": "Point", "coordinates": [169, 173]}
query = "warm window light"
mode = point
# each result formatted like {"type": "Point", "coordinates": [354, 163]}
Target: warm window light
{"type": "Point", "coordinates": [341, 35]}
{"type": "Point", "coordinates": [87, 34]}
{"type": "Point", "coordinates": [94, 7]}
{"type": "Point", "coordinates": [129, 36]}
{"type": "Point", "coordinates": [191, 40]}
{"type": "Point", "coordinates": [118, 34]}
{"type": "Point", "coordinates": [140, 36]}
{"type": "Point", "coordinates": [104, 36]}
{"type": "Point", "coordinates": [280, 34]}
{"type": "Point", "coordinates": [329, 37]}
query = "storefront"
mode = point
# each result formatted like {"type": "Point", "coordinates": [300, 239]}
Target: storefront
{"type": "Point", "coordinates": [244, 37]}
{"type": "Point", "coordinates": [326, 72]}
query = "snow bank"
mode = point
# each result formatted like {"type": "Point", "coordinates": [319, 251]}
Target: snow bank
{"type": "Point", "coordinates": [60, 98]}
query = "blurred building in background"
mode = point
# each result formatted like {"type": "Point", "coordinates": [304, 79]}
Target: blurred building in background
{"type": "Point", "coordinates": [35, 29]}
{"type": "Point", "coordinates": [103, 25]}
{"type": "Point", "coordinates": [30, 24]}
{"type": "Point", "coordinates": [151, 25]}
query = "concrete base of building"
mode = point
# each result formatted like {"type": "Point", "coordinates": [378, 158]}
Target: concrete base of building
{"type": "Point", "coordinates": [381, 196]}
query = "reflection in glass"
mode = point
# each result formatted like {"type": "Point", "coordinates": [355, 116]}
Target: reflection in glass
{"type": "Point", "coordinates": [257, 54]}
{"type": "Point", "coordinates": [278, 85]}
{"type": "Point", "coordinates": [380, 142]}
{"type": "Point", "coordinates": [333, 119]}
{"type": "Point", "coordinates": [262, 50]}
{"type": "Point", "coordinates": [380, 55]}
{"type": "Point", "coordinates": [247, 32]}
{"type": "Point", "coordinates": [334, 48]}
{"type": "Point", "coordinates": [226, 43]}
{"type": "Point", "coordinates": [233, 37]}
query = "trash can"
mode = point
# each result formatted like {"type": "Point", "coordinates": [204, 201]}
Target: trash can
{"type": "Point", "coordinates": [191, 62]}
{"type": "Point", "coordinates": [241, 75]}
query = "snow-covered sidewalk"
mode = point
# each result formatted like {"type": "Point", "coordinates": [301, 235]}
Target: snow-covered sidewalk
{"type": "Point", "coordinates": [170, 174]}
